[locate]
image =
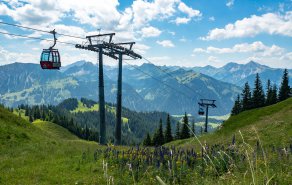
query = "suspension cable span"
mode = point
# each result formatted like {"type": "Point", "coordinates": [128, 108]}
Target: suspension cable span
{"type": "Point", "coordinates": [36, 38]}
{"type": "Point", "coordinates": [169, 74]}
{"type": "Point", "coordinates": [181, 92]}
{"type": "Point", "coordinates": [44, 31]}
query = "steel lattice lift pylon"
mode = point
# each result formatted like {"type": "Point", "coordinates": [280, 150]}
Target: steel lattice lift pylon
{"type": "Point", "coordinates": [115, 51]}
{"type": "Point", "coordinates": [206, 103]}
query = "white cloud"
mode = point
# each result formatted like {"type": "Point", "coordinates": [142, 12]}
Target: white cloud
{"type": "Point", "coordinates": [140, 48]}
{"type": "Point", "coordinates": [160, 60]}
{"type": "Point", "coordinates": [144, 11]}
{"type": "Point", "coordinates": [165, 43]}
{"type": "Point", "coordinates": [189, 11]}
{"type": "Point", "coordinates": [150, 32]}
{"type": "Point", "coordinates": [172, 33]}
{"type": "Point", "coordinates": [7, 57]}
{"type": "Point", "coordinates": [182, 20]}
{"type": "Point", "coordinates": [255, 47]}
{"type": "Point", "coordinates": [212, 18]}
{"type": "Point", "coordinates": [230, 3]}
{"type": "Point", "coordinates": [183, 39]}
{"type": "Point", "coordinates": [125, 19]}
{"type": "Point", "coordinates": [270, 23]}
{"type": "Point", "coordinates": [28, 14]}
{"type": "Point", "coordinates": [213, 59]}
{"type": "Point", "coordinates": [46, 12]}
{"type": "Point", "coordinates": [287, 56]}
{"type": "Point", "coordinates": [103, 13]}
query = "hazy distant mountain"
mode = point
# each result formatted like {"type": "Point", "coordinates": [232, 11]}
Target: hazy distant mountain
{"type": "Point", "coordinates": [29, 84]}
{"type": "Point", "coordinates": [186, 88]}
{"type": "Point", "coordinates": [240, 73]}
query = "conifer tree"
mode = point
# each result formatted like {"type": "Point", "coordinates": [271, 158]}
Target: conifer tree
{"type": "Point", "coordinates": [246, 97]}
{"type": "Point", "coordinates": [147, 141]}
{"type": "Point", "coordinates": [237, 106]}
{"type": "Point", "coordinates": [269, 93]}
{"type": "Point", "coordinates": [185, 133]}
{"type": "Point", "coordinates": [177, 131]}
{"type": "Point", "coordinates": [86, 132]}
{"type": "Point", "coordinates": [274, 96]}
{"type": "Point", "coordinates": [168, 136]}
{"type": "Point", "coordinates": [26, 111]}
{"type": "Point", "coordinates": [30, 118]}
{"type": "Point", "coordinates": [158, 138]}
{"type": "Point", "coordinates": [258, 96]}
{"type": "Point", "coordinates": [284, 91]}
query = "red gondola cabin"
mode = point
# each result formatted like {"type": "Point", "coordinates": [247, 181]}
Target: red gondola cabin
{"type": "Point", "coordinates": [50, 59]}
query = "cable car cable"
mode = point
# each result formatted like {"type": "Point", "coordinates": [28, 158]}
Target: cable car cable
{"type": "Point", "coordinates": [180, 92]}
{"type": "Point", "coordinates": [36, 38]}
{"type": "Point", "coordinates": [169, 74]}
{"type": "Point", "coordinates": [30, 28]}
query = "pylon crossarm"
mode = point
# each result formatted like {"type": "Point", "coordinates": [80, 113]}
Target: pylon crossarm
{"type": "Point", "coordinates": [126, 43]}
{"type": "Point", "coordinates": [96, 49]}
{"type": "Point", "coordinates": [101, 35]}
{"type": "Point", "coordinates": [119, 49]}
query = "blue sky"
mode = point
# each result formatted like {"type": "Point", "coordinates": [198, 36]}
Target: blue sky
{"type": "Point", "coordinates": [168, 32]}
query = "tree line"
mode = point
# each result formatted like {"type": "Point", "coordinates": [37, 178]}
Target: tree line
{"type": "Point", "coordinates": [85, 125]}
{"type": "Point", "coordinates": [60, 117]}
{"type": "Point", "coordinates": [160, 137]}
{"type": "Point", "coordinates": [257, 97]}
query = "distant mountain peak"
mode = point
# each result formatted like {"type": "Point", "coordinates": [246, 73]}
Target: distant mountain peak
{"type": "Point", "coordinates": [253, 63]}
{"type": "Point", "coordinates": [75, 64]}
{"type": "Point", "coordinates": [210, 67]}
{"type": "Point", "coordinates": [230, 65]}
{"type": "Point", "coordinates": [147, 65]}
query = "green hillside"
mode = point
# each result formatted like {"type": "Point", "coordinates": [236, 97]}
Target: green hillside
{"type": "Point", "coordinates": [55, 131]}
{"type": "Point", "coordinates": [44, 153]}
{"type": "Point", "coordinates": [271, 124]}
{"type": "Point", "coordinates": [81, 107]}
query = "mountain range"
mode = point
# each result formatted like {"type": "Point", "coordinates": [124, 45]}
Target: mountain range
{"type": "Point", "coordinates": [241, 73]}
{"type": "Point", "coordinates": [145, 87]}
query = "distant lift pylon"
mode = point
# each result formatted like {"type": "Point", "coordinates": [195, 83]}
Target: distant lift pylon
{"type": "Point", "coordinates": [206, 103]}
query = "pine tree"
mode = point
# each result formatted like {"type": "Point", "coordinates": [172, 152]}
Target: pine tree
{"type": "Point", "coordinates": [86, 132]}
{"type": "Point", "coordinates": [284, 91]}
{"type": "Point", "coordinates": [269, 93]}
{"type": "Point", "coordinates": [158, 138]}
{"type": "Point", "coordinates": [26, 111]}
{"type": "Point", "coordinates": [185, 133]}
{"type": "Point", "coordinates": [246, 97]}
{"type": "Point", "coordinates": [177, 131]}
{"type": "Point", "coordinates": [258, 96]}
{"type": "Point", "coordinates": [30, 118]}
{"type": "Point", "coordinates": [274, 96]}
{"type": "Point", "coordinates": [237, 107]}
{"type": "Point", "coordinates": [168, 136]}
{"type": "Point", "coordinates": [147, 141]}
{"type": "Point", "coordinates": [37, 114]}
